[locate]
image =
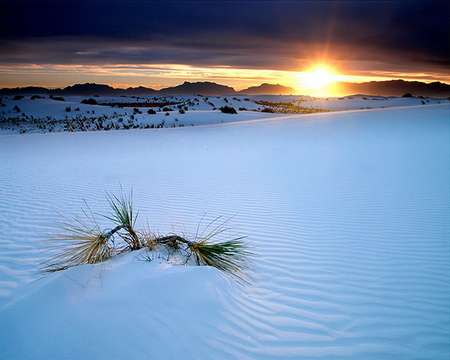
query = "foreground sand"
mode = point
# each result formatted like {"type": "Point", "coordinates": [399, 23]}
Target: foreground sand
{"type": "Point", "coordinates": [348, 212]}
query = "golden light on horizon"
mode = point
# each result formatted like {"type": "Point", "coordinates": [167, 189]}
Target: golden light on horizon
{"type": "Point", "coordinates": [320, 79]}
{"type": "Point", "coordinates": [317, 78]}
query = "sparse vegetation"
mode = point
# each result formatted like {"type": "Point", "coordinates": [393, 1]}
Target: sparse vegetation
{"type": "Point", "coordinates": [89, 101]}
{"type": "Point", "coordinates": [57, 98]}
{"type": "Point", "coordinates": [81, 241]}
{"type": "Point", "coordinates": [287, 108]}
{"type": "Point", "coordinates": [228, 109]}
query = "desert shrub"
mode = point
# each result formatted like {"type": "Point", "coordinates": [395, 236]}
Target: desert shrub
{"type": "Point", "coordinates": [89, 101]}
{"type": "Point", "coordinates": [18, 97]}
{"type": "Point", "coordinates": [407, 95]}
{"type": "Point", "coordinates": [57, 98]}
{"type": "Point", "coordinates": [268, 110]}
{"type": "Point", "coordinates": [82, 241]}
{"type": "Point", "coordinates": [228, 109]}
{"type": "Point", "coordinates": [68, 109]}
{"type": "Point", "coordinates": [151, 112]}
{"type": "Point", "coordinates": [17, 109]}
{"type": "Point", "coordinates": [182, 112]}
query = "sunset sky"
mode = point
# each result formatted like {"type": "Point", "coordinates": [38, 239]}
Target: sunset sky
{"type": "Point", "coordinates": [236, 43]}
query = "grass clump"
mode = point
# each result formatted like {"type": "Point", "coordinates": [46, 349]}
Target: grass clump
{"type": "Point", "coordinates": [122, 215]}
{"type": "Point", "coordinates": [79, 242]}
{"type": "Point", "coordinates": [83, 242]}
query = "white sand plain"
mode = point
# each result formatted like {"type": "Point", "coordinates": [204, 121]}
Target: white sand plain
{"type": "Point", "coordinates": [347, 211]}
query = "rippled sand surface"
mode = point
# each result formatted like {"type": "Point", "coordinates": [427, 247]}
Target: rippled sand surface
{"type": "Point", "coordinates": [348, 213]}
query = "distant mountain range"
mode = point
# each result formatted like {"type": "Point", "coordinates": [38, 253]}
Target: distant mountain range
{"type": "Point", "coordinates": [383, 88]}
{"type": "Point", "coordinates": [393, 88]}
{"type": "Point", "coordinates": [268, 89]}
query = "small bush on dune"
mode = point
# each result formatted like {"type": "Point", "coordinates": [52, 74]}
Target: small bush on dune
{"type": "Point", "coordinates": [81, 241]}
{"type": "Point", "coordinates": [89, 101]}
{"type": "Point", "coordinates": [57, 98]}
{"type": "Point", "coordinates": [228, 109]}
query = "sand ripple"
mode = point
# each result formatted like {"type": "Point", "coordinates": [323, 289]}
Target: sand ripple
{"type": "Point", "coordinates": [348, 214]}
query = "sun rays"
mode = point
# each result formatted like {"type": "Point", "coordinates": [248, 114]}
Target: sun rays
{"type": "Point", "coordinates": [317, 78]}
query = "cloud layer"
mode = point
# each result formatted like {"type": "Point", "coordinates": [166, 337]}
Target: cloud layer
{"type": "Point", "coordinates": [358, 37]}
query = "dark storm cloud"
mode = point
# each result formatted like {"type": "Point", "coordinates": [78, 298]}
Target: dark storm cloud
{"type": "Point", "coordinates": [271, 34]}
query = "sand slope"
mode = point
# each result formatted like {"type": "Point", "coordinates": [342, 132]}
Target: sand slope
{"type": "Point", "coordinates": [348, 212]}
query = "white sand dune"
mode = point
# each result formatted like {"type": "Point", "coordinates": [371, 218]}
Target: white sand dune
{"type": "Point", "coordinates": [348, 213]}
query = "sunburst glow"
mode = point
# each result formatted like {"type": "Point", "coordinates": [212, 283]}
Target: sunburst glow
{"type": "Point", "coordinates": [317, 78]}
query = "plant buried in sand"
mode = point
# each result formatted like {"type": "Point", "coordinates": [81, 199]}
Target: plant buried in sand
{"type": "Point", "coordinates": [83, 242]}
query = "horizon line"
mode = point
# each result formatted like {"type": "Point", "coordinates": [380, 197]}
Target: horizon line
{"type": "Point", "coordinates": [157, 88]}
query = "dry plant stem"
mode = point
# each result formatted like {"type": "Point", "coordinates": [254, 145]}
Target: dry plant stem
{"type": "Point", "coordinates": [171, 238]}
{"type": "Point", "coordinates": [135, 243]}
{"type": "Point", "coordinates": [110, 233]}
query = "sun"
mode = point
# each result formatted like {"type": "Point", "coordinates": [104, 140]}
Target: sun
{"type": "Point", "coordinates": [317, 78]}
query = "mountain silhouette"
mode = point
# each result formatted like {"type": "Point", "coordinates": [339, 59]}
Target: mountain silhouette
{"type": "Point", "coordinates": [89, 89]}
{"type": "Point", "coordinates": [268, 89]}
{"type": "Point", "coordinates": [393, 88]}
{"type": "Point", "coordinates": [382, 88]}
{"type": "Point", "coordinates": [204, 88]}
